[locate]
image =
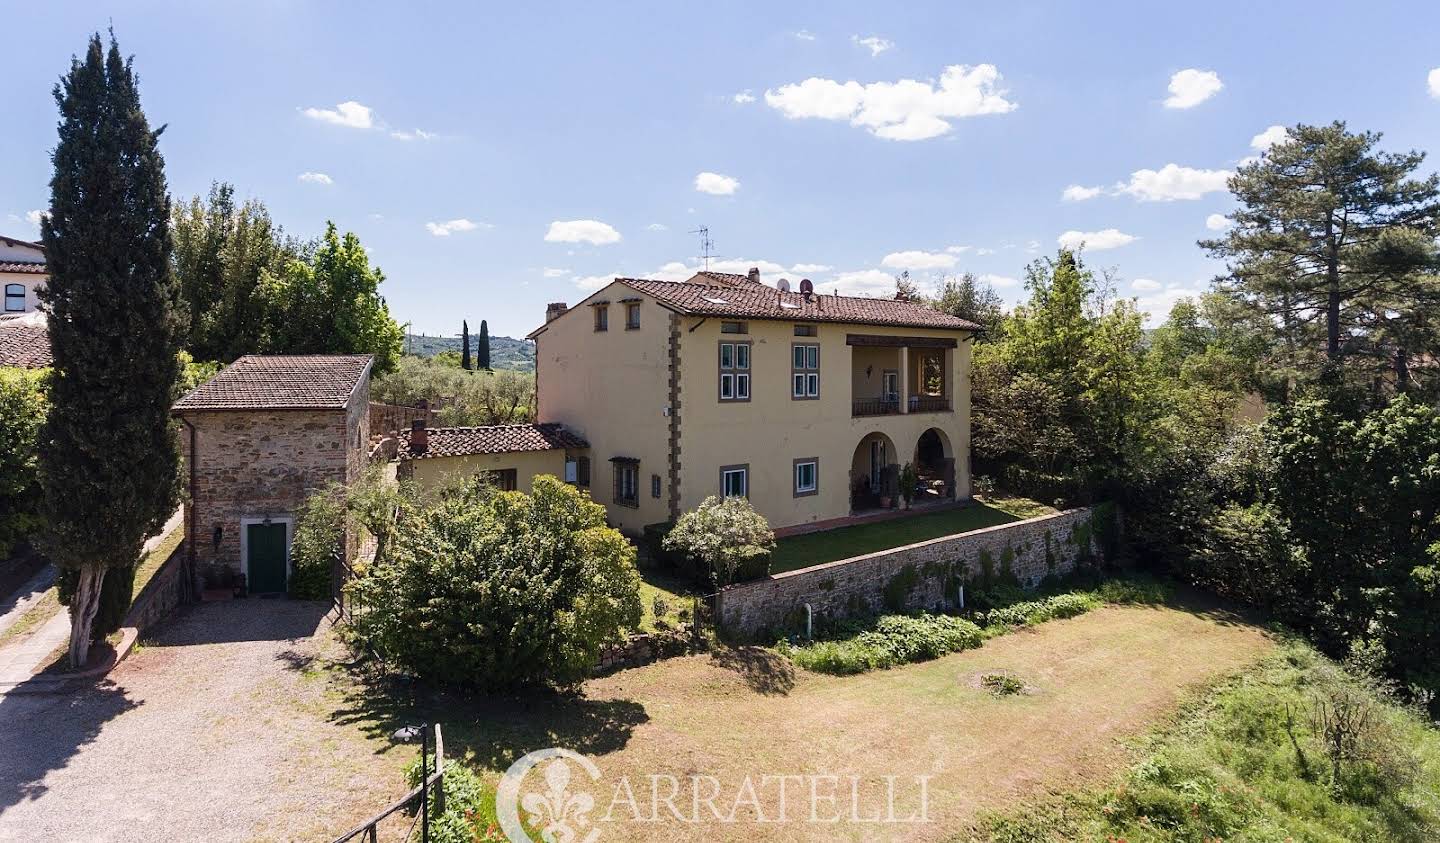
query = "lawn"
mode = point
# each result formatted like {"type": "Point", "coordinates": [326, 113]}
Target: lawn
{"type": "Point", "coordinates": [1118, 671]}
{"type": "Point", "coordinates": [802, 551]}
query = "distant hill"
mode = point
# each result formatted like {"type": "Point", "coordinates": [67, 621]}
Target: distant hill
{"type": "Point", "coordinates": [505, 352]}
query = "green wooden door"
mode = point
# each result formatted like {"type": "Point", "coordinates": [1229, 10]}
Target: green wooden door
{"type": "Point", "coordinates": [265, 547]}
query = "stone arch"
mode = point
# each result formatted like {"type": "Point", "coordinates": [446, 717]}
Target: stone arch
{"type": "Point", "coordinates": [934, 461]}
{"type": "Point", "coordinates": [874, 471]}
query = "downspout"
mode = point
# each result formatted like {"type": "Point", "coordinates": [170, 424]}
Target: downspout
{"type": "Point", "coordinates": [190, 556]}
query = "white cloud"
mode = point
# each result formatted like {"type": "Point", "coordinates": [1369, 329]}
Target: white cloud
{"type": "Point", "coordinates": [591, 283]}
{"type": "Point", "coordinates": [593, 232]}
{"type": "Point", "coordinates": [716, 184]}
{"type": "Point", "coordinates": [1190, 87]}
{"type": "Point", "coordinates": [874, 43]}
{"type": "Point", "coordinates": [657, 226]}
{"type": "Point", "coordinates": [1156, 306]}
{"type": "Point", "coordinates": [414, 134]}
{"type": "Point", "coordinates": [805, 35]}
{"type": "Point", "coordinates": [1000, 280]}
{"type": "Point", "coordinates": [744, 97]}
{"type": "Point", "coordinates": [1109, 238]}
{"type": "Point", "coordinates": [1079, 193]}
{"type": "Point", "coordinates": [1172, 182]}
{"type": "Point", "coordinates": [809, 268]}
{"type": "Point", "coordinates": [445, 229]}
{"type": "Point", "coordinates": [33, 217]}
{"type": "Point", "coordinates": [1033, 246]}
{"type": "Point", "coordinates": [1217, 222]}
{"type": "Point", "coordinates": [982, 251]}
{"type": "Point", "coordinates": [1268, 138]}
{"type": "Point", "coordinates": [905, 110]}
{"type": "Point", "coordinates": [1434, 82]}
{"type": "Point", "coordinates": [916, 259]}
{"type": "Point", "coordinates": [864, 282]}
{"type": "Point", "coordinates": [1145, 284]}
{"type": "Point", "coordinates": [550, 272]}
{"type": "Point", "coordinates": [958, 250]}
{"type": "Point", "coordinates": [315, 178]}
{"type": "Point", "coordinates": [350, 114]}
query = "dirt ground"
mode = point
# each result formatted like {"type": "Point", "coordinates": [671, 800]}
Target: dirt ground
{"type": "Point", "coordinates": [1093, 683]}
{"type": "Point", "coordinates": [219, 729]}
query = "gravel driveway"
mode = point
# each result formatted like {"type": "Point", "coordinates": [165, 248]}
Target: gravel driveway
{"type": "Point", "coordinates": [218, 729]}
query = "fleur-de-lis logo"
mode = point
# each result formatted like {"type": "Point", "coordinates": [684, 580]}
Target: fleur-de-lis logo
{"type": "Point", "coordinates": [559, 814]}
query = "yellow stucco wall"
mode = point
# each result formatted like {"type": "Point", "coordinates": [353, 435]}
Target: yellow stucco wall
{"type": "Point", "coordinates": [772, 430]}
{"type": "Point", "coordinates": [434, 472]}
{"type": "Point", "coordinates": [613, 388]}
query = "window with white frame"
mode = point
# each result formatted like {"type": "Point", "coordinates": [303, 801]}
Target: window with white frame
{"type": "Point", "coordinates": [734, 371]}
{"type": "Point", "coordinates": [14, 298]}
{"type": "Point", "coordinates": [807, 476]}
{"type": "Point", "coordinates": [735, 481]}
{"type": "Point", "coordinates": [804, 371]}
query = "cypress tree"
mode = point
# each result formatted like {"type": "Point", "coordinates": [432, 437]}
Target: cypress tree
{"type": "Point", "coordinates": [108, 456]}
{"type": "Point", "coordinates": [464, 345]}
{"type": "Point", "coordinates": [484, 346]}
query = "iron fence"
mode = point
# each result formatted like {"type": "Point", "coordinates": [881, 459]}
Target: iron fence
{"type": "Point", "coordinates": [368, 831]}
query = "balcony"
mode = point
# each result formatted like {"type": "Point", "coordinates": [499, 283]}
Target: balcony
{"type": "Point", "coordinates": [892, 375]}
{"type": "Point", "coordinates": [874, 407]}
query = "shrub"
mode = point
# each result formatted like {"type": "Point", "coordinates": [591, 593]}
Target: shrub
{"type": "Point", "coordinates": [469, 815]}
{"type": "Point", "coordinates": [889, 641]}
{"type": "Point", "coordinates": [1038, 611]}
{"type": "Point", "coordinates": [728, 536]}
{"type": "Point", "coordinates": [22, 409]}
{"type": "Point", "coordinates": [497, 589]}
{"type": "Point", "coordinates": [319, 530]}
{"type": "Point", "coordinates": [1002, 685]}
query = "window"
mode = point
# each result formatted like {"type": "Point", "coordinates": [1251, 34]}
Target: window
{"type": "Point", "coordinates": [733, 328]}
{"type": "Point", "coordinates": [804, 371]}
{"type": "Point", "coordinates": [14, 298]}
{"type": "Point", "coordinates": [807, 476]}
{"type": "Point", "coordinates": [805, 330]}
{"type": "Point", "coordinates": [654, 485]}
{"type": "Point", "coordinates": [602, 317]}
{"type": "Point", "coordinates": [734, 371]}
{"type": "Point", "coordinates": [735, 481]}
{"type": "Point", "coordinates": [627, 482]}
{"type": "Point", "coordinates": [582, 472]}
{"type": "Point", "coordinates": [632, 316]}
{"type": "Point", "coordinates": [503, 479]}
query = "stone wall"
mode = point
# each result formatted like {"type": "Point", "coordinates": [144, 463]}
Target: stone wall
{"type": "Point", "coordinates": [166, 589]}
{"type": "Point", "coordinates": [926, 575]}
{"type": "Point", "coordinates": [258, 464]}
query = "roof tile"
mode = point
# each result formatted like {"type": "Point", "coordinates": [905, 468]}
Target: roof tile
{"type": "Point", "coordinates": [282, 382]}
{"type": "Point", "coordinates": [496, 439]}
{"type": "Point", "coordinates": [26, 267]}
{"type": "Point", "coordinates": [26, 346]}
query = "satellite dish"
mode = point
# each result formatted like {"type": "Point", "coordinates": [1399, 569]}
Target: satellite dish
{"type": "Point", "coordinates": [806, 288]}
{"type": "Point", "coordinates": [783, 285]}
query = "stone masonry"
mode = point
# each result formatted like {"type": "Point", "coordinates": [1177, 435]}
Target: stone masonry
{"type": "Point", "coordinates": [926, 575]}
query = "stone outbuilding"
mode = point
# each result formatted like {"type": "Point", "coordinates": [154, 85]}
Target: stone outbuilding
{"type": "Point", "coordinates": [259, 437]}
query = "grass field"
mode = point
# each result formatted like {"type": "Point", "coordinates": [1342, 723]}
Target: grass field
{"type": "Point", "coordinates": [1095, 681]}
{"type": "Point", "coordinates": [802, 551]}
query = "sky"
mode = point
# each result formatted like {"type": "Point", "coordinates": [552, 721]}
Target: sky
{"type": "Point", "coordinates": [494, 158]}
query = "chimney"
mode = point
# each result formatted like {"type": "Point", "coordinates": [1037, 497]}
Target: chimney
{"type": "Point", "coordinates": [754, 275]}
{"type": "Point", "coordinates": [554, 309]}
{"type": "Point", "coordinates": [419, 437]}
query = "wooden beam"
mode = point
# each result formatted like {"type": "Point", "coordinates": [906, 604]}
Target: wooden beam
{"type": "Point", "coordinates": [888, 341]}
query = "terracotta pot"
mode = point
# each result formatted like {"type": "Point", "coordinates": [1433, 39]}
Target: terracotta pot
{"type": "Point", "coordinates": [885, 502]}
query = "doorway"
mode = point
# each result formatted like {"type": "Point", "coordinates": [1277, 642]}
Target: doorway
{"type": "Point", "coordinates": [266, 556]}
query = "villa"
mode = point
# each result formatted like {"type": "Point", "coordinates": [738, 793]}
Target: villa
{"type": "Point", "coordinates": [655, 395]}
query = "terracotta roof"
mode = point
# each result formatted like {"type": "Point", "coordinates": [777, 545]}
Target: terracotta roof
{"type": "Point", "coordinates": [497, 439]}
{"type": "Point", "coordinates": [728, 279]}
{"type": "Point", "coordinates": [284, 382]}
{"type": "Point", "coordinates": [26, 346]}
{"type": "Point", "coordinates": [26, 267]}
{"type": "Point", "coordinates": [757, 301]}
{"type": "Point", "coordinates": [14, 241]}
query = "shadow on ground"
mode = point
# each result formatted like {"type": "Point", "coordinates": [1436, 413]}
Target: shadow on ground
{"type": "Point", "coordinates": [492, 730]}
{"type": "Point", "coordinates": [41, 732]}
{"type": "Point", "coordinates": [764, 670]}
{"type": "Point", "coordinates": [234, 621]}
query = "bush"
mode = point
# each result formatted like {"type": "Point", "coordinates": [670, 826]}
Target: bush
{"type": "Point", "coordinates": [469, 815]}
{"type": "Point", "coordinates": [890, 641]}
{"type": "Point", "coordinates": [22, 409]}
{"type": "Point", "coordinates": [727, 536]}
{"type": "Point", "coordinates": [319, 531]}
{"type": "Point", "coordinates": [1032, 612]}
{"type": "Point", "coordinates": [498, 589]}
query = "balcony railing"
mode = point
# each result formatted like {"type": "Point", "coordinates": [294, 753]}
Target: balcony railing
{"type": "Point", "coordinates": [874, 406]}
{"type": "Point", "coordinates": [929, 404]}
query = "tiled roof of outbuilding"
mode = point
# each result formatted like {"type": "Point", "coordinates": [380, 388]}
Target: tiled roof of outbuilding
{"type": "Point", "coordinates": [496, 439]}
{"type": "Point", "coordinates": [26, 346]}
{"type": "Point", "coordinates": [25, 267]}
{"type": "Point", "coordinates": [757, 301]}
{"type": "Point", "coordinates": [283, 382]}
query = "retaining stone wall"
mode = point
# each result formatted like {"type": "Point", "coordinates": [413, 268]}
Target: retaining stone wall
{"type": "Point", "coordinates": [926, 575]}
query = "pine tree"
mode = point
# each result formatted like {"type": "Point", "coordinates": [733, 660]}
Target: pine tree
{"type": "Point", "coordinates": [464, 345]}
{"type": "Point", "coordinates": [483, 349]}
{"type": "Point", "coordinates": [108, 457]}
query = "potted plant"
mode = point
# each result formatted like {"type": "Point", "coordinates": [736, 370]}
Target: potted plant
{"type": "Point", "coordinates": [908, 481]}
{"type": "Point", "coordinates": [220, 582]}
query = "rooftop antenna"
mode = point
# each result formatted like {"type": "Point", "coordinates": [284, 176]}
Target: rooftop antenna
{"type": "Point", "coordinates": [707, 246]}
